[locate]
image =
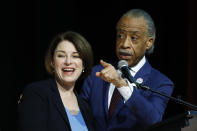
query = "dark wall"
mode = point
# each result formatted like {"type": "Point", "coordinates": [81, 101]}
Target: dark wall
{"type": "Point", "coordinates": [37, 22]}
{"type": "Point", "coordinates": [40, 21]}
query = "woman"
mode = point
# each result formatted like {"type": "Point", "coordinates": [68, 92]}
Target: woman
{"type": "Point", "coordinates": [53, 105]}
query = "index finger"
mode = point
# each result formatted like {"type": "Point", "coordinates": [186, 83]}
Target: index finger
{"type": "Point", "coordinates": [104, 64]}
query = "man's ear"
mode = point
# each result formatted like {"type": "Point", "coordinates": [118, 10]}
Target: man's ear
{"type": "Point", "coordinates": [149, 43]}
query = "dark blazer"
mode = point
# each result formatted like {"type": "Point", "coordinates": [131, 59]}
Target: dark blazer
{"type": "Point", "coordinates": [142, 109]}
{"type": "Point", "coordinates": [41, 109]}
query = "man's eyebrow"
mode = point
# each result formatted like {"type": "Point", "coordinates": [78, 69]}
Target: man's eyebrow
{"type": "Point", "coordinates": [131, 32]}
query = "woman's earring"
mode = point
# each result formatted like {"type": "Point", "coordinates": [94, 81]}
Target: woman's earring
{"type": "Point", "coordinates": [83, 71]}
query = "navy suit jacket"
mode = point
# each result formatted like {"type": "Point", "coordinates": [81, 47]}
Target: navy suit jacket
{"type": "Point", "coordinates": [141, 110]}
{"type": "Point", "coordinates": [41, 109]}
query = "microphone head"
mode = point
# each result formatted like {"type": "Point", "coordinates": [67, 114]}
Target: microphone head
{"type": "Point", "coordinates": [122, 63]}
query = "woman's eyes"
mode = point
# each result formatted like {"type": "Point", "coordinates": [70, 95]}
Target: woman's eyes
{"type": "Point", "coordinates": [74, 56]}
{"type": "Point", "coordinates": [60, 55]}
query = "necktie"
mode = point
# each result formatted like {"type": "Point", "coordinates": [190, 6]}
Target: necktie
{"type": "Point", "coordinates": [114, 101]}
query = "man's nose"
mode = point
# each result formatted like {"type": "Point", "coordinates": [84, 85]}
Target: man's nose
{"type": "Point", "coordinates": [127, 42]}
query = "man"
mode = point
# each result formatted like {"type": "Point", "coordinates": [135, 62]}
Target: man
{"type": "Point", "coordinates": [135, 109]}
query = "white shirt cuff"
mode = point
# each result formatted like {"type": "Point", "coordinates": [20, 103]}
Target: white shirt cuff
{"type": "Point", "coordinates": [126, 91]}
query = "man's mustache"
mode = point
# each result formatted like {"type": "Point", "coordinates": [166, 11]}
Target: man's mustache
{"type": "Point", "coordinates": [125, 52]}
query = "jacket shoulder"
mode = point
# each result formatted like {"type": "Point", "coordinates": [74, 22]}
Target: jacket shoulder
{"type": "Point", "coordinates": [40, 87]}
{"type": "Point", "coordinates": [97, 68]}
{"type": "Point", "coordinates": [160, 76]}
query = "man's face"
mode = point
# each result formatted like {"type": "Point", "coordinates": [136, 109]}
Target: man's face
{"type": "Point", "coordinates": [132, 39]}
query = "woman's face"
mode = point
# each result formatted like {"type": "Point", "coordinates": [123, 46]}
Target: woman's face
{"type": "Point", "coordinates": [67, 63]}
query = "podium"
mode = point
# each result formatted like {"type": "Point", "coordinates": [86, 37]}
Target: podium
{"type": "Point", "coordinates": [192, 122]}
{"type": "Point", "coordinates": [183, 122]}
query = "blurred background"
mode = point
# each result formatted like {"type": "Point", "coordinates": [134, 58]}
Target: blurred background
{"type": "Point", "coordinates": [31, 25]}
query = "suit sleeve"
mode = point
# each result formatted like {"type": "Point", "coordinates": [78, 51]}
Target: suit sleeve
{"type": "Point", "coordinates": [147, 106]}
{"type": "Point", "coordinates": [87, 87]}
{"type": "Point", "coordinates": [32, 111]}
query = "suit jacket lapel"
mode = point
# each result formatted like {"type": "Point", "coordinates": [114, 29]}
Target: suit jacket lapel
{"type": "Point", "coordinates": [118, 107]}
{"type": "Point", "coordinates": [143, 77]}
{"type": "Point", "coordinates": [58, 103]}
{"type": "Point", "coordinates": [83, 110]}
{"type": "Point", "coordinates": [143, 73]}
{"type": "Point", "coordinates": [106, 86]}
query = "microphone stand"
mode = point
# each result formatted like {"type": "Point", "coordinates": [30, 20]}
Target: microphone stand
{"type": "Point", "coordinates": [170, 97]}
{"type": "Point", "coordinates": [176, 122]}
{"type": "Point", "coordinates": [123, 66]}
{"type": "Point", "coordinates": [168, 124]}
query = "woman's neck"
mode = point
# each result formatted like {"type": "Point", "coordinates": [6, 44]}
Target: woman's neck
{"type": "Point", "coordinates": [65, 88]}
{"type": "Point", "coordinates": [68, 98]}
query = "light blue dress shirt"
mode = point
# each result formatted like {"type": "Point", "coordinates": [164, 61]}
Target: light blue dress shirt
{"type": "Point", "coordinates": [77, 122]}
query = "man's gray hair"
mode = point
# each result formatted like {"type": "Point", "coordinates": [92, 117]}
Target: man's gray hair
{"type": "Point", "coordinates": [151, 29]}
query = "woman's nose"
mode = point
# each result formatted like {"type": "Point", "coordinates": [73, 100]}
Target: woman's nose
{"type": "Point", "coordinates": [68, 60]}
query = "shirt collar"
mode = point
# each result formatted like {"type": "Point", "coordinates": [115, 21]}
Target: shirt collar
{"type": "Point", "coordinates": [137, 67]}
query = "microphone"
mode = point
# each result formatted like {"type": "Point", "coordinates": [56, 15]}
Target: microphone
{"type": "Point", "coordinates": [123, 66]}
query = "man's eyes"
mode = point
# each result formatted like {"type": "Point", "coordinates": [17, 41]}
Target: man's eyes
{"type": "Point", "coordinates": [134, 38]}
{"type": "Point", "coordinates": [120, 35]}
